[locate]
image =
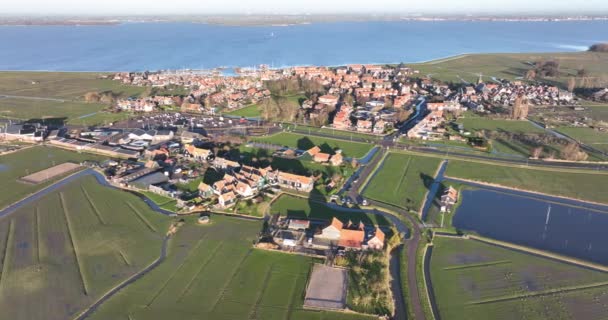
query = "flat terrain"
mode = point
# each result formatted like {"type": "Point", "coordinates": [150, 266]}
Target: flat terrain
{"type": "Point", "coordinates": [60, 85]}
{"type": "Point", "coordinates": [301, 208]}
{"type": "Point", "coordinates": [212, 272]}
{"type": "Point", "coordinates": [590, 187]}
{"type": "Point", "coordinates": [51, 173]}
{"type": "Point", "coordinates": [21, 163]}
{"type": "Point", "coordinates": [511, 66]}
{"type": "Point", "coordinates": [591, 137]}
{"type": "Point", "coordinates": [476, 123]}
{"type": "Point", "coordinates": [303, 142]}
{"type": "Point", "coordinates": [402, 180]}
{"type": "Point", "coordinates": [250, 111]}
{"type": "Point", "coordinates": [474, 280]}
{"type": "Point", "coordinates": [327, 287]}
{"type": "Point", "coordinates": [61, 253]}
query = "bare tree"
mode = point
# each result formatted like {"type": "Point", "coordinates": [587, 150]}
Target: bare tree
{"type": "Point", "coordinates": [571, 84]}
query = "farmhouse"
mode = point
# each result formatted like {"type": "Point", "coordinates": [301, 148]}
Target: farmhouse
{"type": "Point", "coordinates": [376, 242]}
{"type": "Point", "coordinates": [448, 199]}
{"type": "Point", "coordinates": [197, 153]}
{"type": "Point", "coordinates": [296, 182]}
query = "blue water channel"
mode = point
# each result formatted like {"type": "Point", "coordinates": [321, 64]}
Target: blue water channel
{"type": "Point", "coordinates": [562, 226]}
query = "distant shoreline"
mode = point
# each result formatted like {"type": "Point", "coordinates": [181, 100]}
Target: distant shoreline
{"type": "Point", "coordinates": [282, 20]}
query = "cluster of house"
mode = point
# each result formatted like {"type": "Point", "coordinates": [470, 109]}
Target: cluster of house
{"type": "Point", "coordinates": [243, 181]}
{"type": "Point", "coordinates": [336, 235]}
{"type": "Point", "coordinates": [448, 199]}
{"type": "Point", "coordinates": [377, 91]}
{"type": "Point", "coordinates": [321, 157]}
{"type": "Point", "coordinates": [429, 128]}
{"type": "Point", "coordinates": [206, 91]}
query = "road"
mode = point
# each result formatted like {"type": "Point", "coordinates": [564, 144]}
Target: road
{"type": "Point", "coordinates": [31, 98]}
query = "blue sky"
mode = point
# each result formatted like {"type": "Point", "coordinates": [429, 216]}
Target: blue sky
{"type": "Point", "coordinates": [101, 7]}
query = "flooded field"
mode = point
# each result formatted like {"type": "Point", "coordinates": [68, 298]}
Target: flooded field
{"type": "Point", "coordinates": [561, 226]}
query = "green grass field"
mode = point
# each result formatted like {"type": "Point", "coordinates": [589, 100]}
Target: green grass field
{"type": "Point", "coordinates": [584, 186]}
{"type": "Point", "coordinates": [402, 180]}
{"type": "Point", "coordinates": [591, 137]}
{"type": "Point", "coordinates": [64, 251]}
{"type": "Point", "coordinates": [61, 85]}
{"type": "Point", "coordinates": [511, 66]}
{"type": "Point", "coordinates": [301, 141]}
{"type": "Point", "coordinates": [21, 163]}
{"type": "Point", "coordinates": [79, 113]}
{"type": "Point", "coordinates": [301, 208]}
{"type": "Point", "coordinates": [475, 123]}
{"type": "Point", "coordinates": [212, 272]}
{"type": "Point", "coordinates": [474, 280]}
{"type": "Point", "coordinates": [250, 111]}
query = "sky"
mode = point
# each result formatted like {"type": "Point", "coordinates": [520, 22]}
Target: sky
{"type": "Point", "coordinates": [147, 7]}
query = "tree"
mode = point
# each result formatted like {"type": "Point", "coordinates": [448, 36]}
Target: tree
{"type": "Point", "coordinates": [536, 152]}
{"type": "Point", "coordinates": [573, 152]}
{"type": "Point", "coordinates": [581, 72]}
{"type": "Point", "coordinates": [571, 84]}
{"type": "Point", "coordinates": [91, 97]}
{"type": "Point", "coordinates": [531, 74]}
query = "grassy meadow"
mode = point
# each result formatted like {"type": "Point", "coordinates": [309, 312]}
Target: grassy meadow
{"type": "Point", "coordinates": [212, 272]}
{"type": "Point", "coordinates": [594, 138]}
{"type": "Point", "coordinates": [583, 186]}
{"type": "Point", "coordinates": [15, 165]}
{"type": "Point", "coordinates": [301, 141]}
{"type": "Point", "coordinates": [475, 280]}
{"type": "Point", "coordinates": [250, 111]}
{"type": "Point", "coordinates": [302, 208]}
{"type": "Point", "coordinates": [511, 66]}
{"type": "Point", "coordinates": [402, 180]}
{"type": "Point", "coordinates": [64, 251]}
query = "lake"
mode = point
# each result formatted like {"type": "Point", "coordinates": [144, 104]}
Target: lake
{"type": "Point", "coordinates": [153, 46]}
{"type": "Point", "coordinates": [548, 223]}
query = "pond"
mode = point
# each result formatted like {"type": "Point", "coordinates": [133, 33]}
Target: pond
{"type": "Point", "coordinates": [562, 226]}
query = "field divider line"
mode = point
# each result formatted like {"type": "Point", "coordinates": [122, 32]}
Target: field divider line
{"type": "Point", "coordinates": [95, 210]}
{"type": "Point", "coordinates": [37, 221]}
{"type": "Point", "coordinates": [540, 293]}
{"type": "Point", "coordinates": [7, 245]}
{"type": "Point", "coordinates": [477, 265]}
{"type": "Point", "coordinates": [290, 307]}
{"type": "Point", "coordinates": [74, 246]}
{"type": "Point", "coordinates": [203, 265]}
{"type": "Point", "coordinates": [258, 299]}
{"type": "Point", "coordinates": [407, 166]}
{"type": "Point", "coordinates": [124, 257]}
{"type": "Point", "coordinates": [234, 272]}
{"type": "Point", "coordinates": [141, 217]}
{"type": "Point", "coordinates": [190, 254]}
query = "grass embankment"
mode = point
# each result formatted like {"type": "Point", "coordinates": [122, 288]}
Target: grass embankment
{"type": "Point", "coordinates": [304, 142]}
{"type": "Point", "coordinates": [211, 272]}
{"type": "Point", "coordinates": [474, 280]}
{"type": "Point", "coordinates": [70, 247]}
{"type": "Point", "coordinates": [18, 164]}
{"type": "Point", "coordinates": [302, 208]}
{"type": "Point", "coordinates": [583, 186]}
{"type": "Point", "coordinates": [402, 180]}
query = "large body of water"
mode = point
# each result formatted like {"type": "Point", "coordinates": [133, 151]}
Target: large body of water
{"type": "Point", "coordinates": [153, 46]}
{"type": "Point", "coordinates": [562, 226]}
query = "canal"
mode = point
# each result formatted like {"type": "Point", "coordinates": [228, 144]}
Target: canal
{"type": "Point", "coordinates": [568, 227]}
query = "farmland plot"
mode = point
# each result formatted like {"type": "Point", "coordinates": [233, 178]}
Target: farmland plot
{"type": "Point", "coordinates": [212, 272]}
{"type": "Point", "coordinates": [473, 280]}
{"type": "Point", "coordinates": [59, 256]}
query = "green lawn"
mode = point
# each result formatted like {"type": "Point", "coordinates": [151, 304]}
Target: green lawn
{"type": "Point", "coordinates": [402, 180]}
{"type": "Point", "coordinates": [64, 251]}
{"type": "Point", "coordinates": [212, 272]}
{"type": "Point", "coordinates": [591, 137]}
{"type": "Point", "coordinates": [465, 273]}
{"type": "Point", "coordinates": [302, 208]}
{"type": "Point", "coordinates": [584, 186]}
{"type": "Point", "coordinates": [301, 141]}
{"type": "Point", "coordinates": [250, 111]}
{"type": "Point", "coordinates": [15, 165]}
{"type": "Point", "coordinates": [511, 66]}
{"type": "Point", "coordinates": [44, 109]}
{"type": "Point", "coordinates": [475, 123]}
{"type": "Point", "coordinates": [303, 129]}
{"type": "Point", "coordinates": [61, 85]}
{"type": "Point", "coordinates": [162, 201]}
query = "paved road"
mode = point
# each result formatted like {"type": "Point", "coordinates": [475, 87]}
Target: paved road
{"type": "Point", "coordinates": [31, 98]}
